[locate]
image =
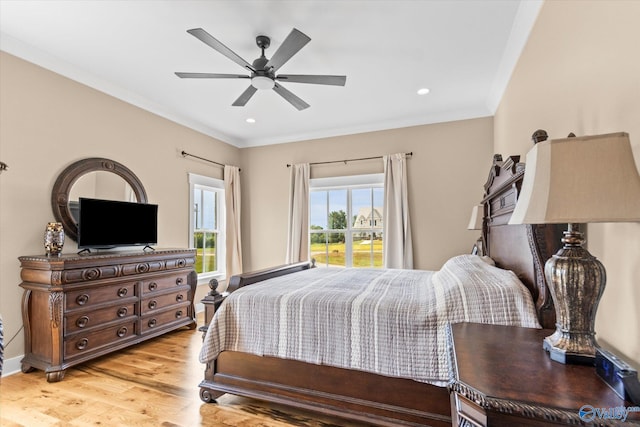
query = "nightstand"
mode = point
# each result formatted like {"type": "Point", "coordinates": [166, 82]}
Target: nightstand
{"type": "Point", "coordinates": [501, 376]}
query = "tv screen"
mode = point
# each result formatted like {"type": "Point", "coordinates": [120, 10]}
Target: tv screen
{"type": "Point", "coordinates": [108, 224]}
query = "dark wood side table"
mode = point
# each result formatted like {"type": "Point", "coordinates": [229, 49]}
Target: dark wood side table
{"type": "Point", "coordinates": [501, 376]}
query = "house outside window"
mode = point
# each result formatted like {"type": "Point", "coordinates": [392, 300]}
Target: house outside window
{"type": "Point", "coordinates": [207, 225]}
{"type": "Point", "coordinates": [346, 221]}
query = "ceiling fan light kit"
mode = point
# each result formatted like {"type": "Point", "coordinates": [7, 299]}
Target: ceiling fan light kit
{"type": "Point", "coordinates": [263, 70]}
{"type": "Point", "coordinates": [262, 82]}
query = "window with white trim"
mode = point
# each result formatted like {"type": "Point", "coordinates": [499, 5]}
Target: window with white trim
{"type": "Point", "coordinates": [346, 220]}
{"type": "Point", "coordinates": [207, 225]}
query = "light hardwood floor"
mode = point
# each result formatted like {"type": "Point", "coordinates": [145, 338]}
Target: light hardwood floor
{"type": "Point", "coordinates": [151, 384]}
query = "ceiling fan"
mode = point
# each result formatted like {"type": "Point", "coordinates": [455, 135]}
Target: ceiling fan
{"type": "Point", "coordinates": [263, 70]}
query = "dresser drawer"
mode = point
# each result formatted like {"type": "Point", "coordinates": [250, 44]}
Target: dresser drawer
{"type": "Point", "coordinates": [83, 343]}
{"type": "Point", "coordinates": [89, 297]}
{"type": "Point", "coordinates": [470, 412]}
{"type": "Point", "coordinates": [161, 283]}
{"type": "Point", "coordinates": [87, 319]}
{"type": "Point", "coordinates": [155, 302]}
{"type": "Point", "coordinates": [159, 320]}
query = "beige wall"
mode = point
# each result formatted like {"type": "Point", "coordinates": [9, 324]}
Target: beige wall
{"type": "Point", "coordinates": [450, 163]}
{"type": "Point", "coordinates": [46, 123]}
{"type": "Point", "coordinates": [580, 72]}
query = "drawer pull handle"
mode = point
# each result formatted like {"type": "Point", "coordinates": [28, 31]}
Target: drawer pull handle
{"type": "Point", "coordinates": [152, 323]}
{"type": "Point", "coordinates": [153, 304]}
{"type": "Point", "coordinates": [82, 322]}
{"type": "Point", "coordinates": [122, 311]}
{"type": "Point", "coordinates": [179, 281]}
{"type": "Point", "coordinates": [122, 332]}
{"type": "Point", "coordinates": [153, 286]}
{"type": "Point", "coordinates": [178, 314]}
{"type": "Point", "coordinates": [82, 299]}
{"type": "Point", "coordinates": [122, 292]}
{"type": "Point", "coordinates": [82, 344]}
{"type": "Point", "coordinates": [181, 263]}
{"type": "Point", "coordinates": [179, 297]}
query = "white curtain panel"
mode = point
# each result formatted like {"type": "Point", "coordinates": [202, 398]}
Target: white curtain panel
{"type": "Point", "coordinates": [232, 203]}
{"type": "Point", "coordinates": [398, 248]}
{"type": "Point", "coordinates": [298, 233]}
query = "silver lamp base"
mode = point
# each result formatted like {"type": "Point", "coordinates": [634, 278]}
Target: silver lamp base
{"type": "Point", "coordinates": [576, 280]}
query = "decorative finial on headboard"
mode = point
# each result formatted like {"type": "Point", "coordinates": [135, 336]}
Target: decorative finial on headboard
{"type": "Point", "coordinates": [539, 136]}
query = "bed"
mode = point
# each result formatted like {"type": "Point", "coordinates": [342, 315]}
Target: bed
{"type": "Point", "coordinates": [378, 379]}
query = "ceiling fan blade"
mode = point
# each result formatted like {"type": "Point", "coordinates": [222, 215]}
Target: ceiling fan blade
{"type": "Point", "coordinates": [293, 100]}
{"type": "Point", "coordinates": [313, 79]}
{"type": "Point", "coordinates": [208, 39]}
{"type": "Point", "coordinates": [292, 44]}
{"type": "Point", "coordinates": [245, 97]}
{"type": "Point", "coordinates": [210, 76]}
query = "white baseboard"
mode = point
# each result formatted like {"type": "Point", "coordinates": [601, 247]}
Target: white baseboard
{"type": "Point", "coordinates": [11, 366]}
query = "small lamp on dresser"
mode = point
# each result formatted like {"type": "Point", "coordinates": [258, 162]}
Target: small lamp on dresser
{"type": "Point", "coordinates": [475, 223]}
{"type": "Point", "coordinates": [577, 180]}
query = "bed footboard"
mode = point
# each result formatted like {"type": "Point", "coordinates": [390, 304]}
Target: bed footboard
{"type": "Point", "coordinates": [356, 395]}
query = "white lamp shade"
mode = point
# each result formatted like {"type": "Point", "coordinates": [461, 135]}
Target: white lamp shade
{"type": "Point", "coordinates": [475, 222]}
{"type": "Point", "coordinates": [580, 180]}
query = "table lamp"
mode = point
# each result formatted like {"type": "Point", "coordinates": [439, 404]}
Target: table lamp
{"type": "Point", "coordinates": [577, 180]}
{"type": "Point", "coordinates": [475, 222]}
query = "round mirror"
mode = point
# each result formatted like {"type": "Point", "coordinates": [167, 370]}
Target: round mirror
{"type": "Point", "coordinates": [94, 178]}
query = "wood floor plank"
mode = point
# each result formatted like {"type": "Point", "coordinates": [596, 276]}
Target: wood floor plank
{"type": "Point", "coordinates": [154, 383]}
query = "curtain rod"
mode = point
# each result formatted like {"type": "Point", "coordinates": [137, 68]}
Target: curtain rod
{"type": "Point", "coordinates": [185, 154]}
{"type": "Point", "coordinates": [351, 160]}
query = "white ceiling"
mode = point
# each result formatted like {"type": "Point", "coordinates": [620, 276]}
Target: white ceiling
{"type": "Point", "coordinates": [463, 51]}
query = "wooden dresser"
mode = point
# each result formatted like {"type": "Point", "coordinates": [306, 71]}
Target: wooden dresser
{"type": "Point", "coordinates": [501, 376]}
{"type": "Point", "coordinates": [78, 307]}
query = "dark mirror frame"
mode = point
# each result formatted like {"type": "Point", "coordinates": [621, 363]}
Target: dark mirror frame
{"type": "Point", "coordinates": [66, 179]}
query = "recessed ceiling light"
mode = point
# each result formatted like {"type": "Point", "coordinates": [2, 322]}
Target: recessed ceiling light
{"type": "Point", "coordinates": [251, 120]}
{"type": "Point", "coordinates": [423, 91]}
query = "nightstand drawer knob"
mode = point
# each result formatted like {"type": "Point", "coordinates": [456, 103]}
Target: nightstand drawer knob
{"type": "Point", "coordinates": [82, 344]}
{"type": "Point", "coordinates": [179, 281]}
{"type": "Point", "coordinates": [152, 323]}
{"type": "Point", "coordinates": [122, 292]}
{"type": "Point", "coordinates": [178, 314]}
{"type": "Point", "coordinates": [82, 299]}
{"type": "Point", "coordinates": [122, 332]}
{"type": "Point", "coordinates": [153, 304]}
{"type": "Point", "coordinates": [122, 311]}
{"type": "Point", "coordinates": [153, 286]}
{"type": "Point", "coordinates": [179, 297]}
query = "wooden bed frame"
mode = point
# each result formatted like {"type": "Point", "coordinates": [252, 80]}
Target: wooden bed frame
{"type": "Point", "coordinates": [376, 399]}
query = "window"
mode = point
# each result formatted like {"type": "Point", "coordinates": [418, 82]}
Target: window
{"type": "Point", "coordinates": [206, 225]}
{"type": "Point", "coordinates": [346, 221]}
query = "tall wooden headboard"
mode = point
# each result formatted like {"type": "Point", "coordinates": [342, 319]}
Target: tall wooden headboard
{"type": "Point", "coordinates": [525, 248]}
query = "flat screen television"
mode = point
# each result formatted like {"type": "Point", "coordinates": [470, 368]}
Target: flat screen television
{"type": "Point", "coordinates": [104, 224]}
